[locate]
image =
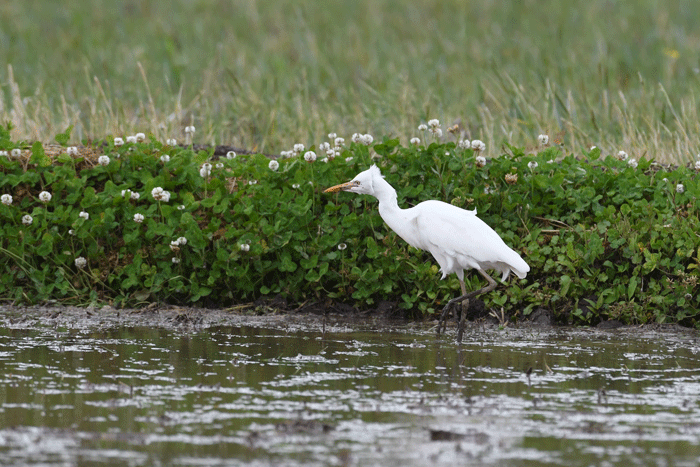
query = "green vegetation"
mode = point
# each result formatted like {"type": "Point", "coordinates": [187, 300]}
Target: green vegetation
{"type": "Point", "coordinates": [606, 237]}
{"type": "Point", "coordinates": [265, 74]}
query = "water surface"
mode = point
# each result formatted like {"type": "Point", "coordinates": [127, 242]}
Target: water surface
{"type": "Point", "coordinates": [152, 390]}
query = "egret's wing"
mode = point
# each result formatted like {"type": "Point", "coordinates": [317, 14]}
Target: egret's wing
{"type": "Point", "coordinates": [458, 239]}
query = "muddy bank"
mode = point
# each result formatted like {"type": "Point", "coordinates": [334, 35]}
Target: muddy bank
{"type": "Point", "coordinates": [182, 318]}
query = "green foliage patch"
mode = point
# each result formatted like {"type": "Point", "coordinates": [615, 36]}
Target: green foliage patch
{"type": "Point", "coordinates": [604, 237]}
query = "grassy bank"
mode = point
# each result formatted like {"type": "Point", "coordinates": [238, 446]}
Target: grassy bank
{"type": "Point", "coordinates": [142, 221]}
{"type": "Point", "coordinates": [263, 75]}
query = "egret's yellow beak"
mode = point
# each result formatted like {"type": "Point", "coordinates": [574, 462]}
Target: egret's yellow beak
{"type": "Point", "coordinates": [340, 187]}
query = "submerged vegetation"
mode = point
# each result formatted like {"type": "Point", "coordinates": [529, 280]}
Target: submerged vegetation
{"type": "Point", "coordinates": [134, 220]}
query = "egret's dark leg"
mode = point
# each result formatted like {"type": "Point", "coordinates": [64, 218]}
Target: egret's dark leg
{"type": "Point", "coordinates": [461, 308]}
{"type": "Point", "coordinates": [443, 318]}
{"type": "Point", "coordinates": [465, 296]}
{"type": "Point", "coordinates": [462, 320]}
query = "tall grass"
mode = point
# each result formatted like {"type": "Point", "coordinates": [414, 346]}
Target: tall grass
{"type": "Point", "coordinates": [267, 74]}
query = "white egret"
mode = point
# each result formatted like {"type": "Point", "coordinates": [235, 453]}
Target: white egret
{"type": "Point", "coordinates": [456, 238]}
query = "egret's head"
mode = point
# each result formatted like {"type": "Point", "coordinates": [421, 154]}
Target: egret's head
{"type": "Point", "coordinates": [363, 183]}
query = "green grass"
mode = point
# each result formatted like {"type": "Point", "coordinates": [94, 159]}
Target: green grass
{"type": "Point", "coordinates": [265, 75]}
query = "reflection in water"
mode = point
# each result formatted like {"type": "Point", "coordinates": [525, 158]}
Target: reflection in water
{"type": "Point", "coordinates": [275, 394]}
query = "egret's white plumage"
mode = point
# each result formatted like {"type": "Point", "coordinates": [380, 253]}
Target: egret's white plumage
{"type": "Point", "coordinates": [456, 238]}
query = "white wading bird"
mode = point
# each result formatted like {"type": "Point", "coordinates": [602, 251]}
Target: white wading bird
{"type": "Point", "coordinates": [456, 238]}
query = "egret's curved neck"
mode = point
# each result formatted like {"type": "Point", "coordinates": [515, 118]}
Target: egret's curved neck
{"type": "Point", "coordinates": [398, 220]}
{"type": "Point", "coordinates": [385, 194]}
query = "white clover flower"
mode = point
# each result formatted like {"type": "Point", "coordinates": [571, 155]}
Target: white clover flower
{"type": "Point", "coordinates": [356, 138]}
{"type": "Point", "coordinates": [165, 158]}
{"type": "Point", "coordinates": [464, 144]}
{"type": "Point", "coordinates": [140, 137]}
{"type": "Point", "coordinates": [80, 262]}
{"type": "Point", "coordinates": [160, 194]}
{"type": "Point", "coordinates": [310, 156]}
{"type": "Point", "coordinates": [338, 141]}
{"type": "Point", "coordinates": [273, 165]}
{"type": "Point", "coordinates": [478, 145]}
{"type": "Point", "coordinates": [131, 139]}
{"type": "Point", "coordinates": [27, 219]}
{"type": "Point", "coordinates": [438, 132]}
{"type": "Point", "coordinates": [622, 155]}
{"type": "Point", "coordinates": [342, 246]}
{"type": "Point", "coordinates": [550, 161]}
{"type": "Point", "coordinates": [433, 123]}
{"type": "Point", "coordinates": [230, 155]}
{"type": "Point", "coordinates": [488, 190]}
{"type": "Point", "coordinates": [680, 188]}
{"type": "Point", "coordinates": [189, 129]}
{"type": "Point", "coordinates": [171, 142]}
{"type": "Point", "coordinates": [415, 141]}
{"type": "Point", "coordinates": [245, 247]}
{"type": "Point", "coordinates": [367, 139]}
{"type": "Point", "coordinates": [295, 186]}
{"type": "Point", "coordinates": [422, 127]}
{"type": "Point", "coordinates": [181, 207]}
{"type": "Point", "coordinates": [72, 151]}
{"type": "Point", "coordinates": [632, 163]}
{"type": "Point", "coordinates": [332, 136]}
{"type": "Point", "coordinates": [6, 199]}
{"type": "Point", "coordinates": [324, 160]}
{"type": "Point", "coordinates": [138, 218]}
{"type": "Point", "coordinates": [175, 245]}
{"type": "Point", "coordinates": [697, 165]}
{"type": "Point", "coordinates": [205, 171]}
{"type": "Point", "coordinates": [182, 240]}
{"type": "Point", "coordinates": [543, 140]}
{"type": "Point", "coordinates": [532, 165]}
{"type": "Point", "coordinates": [348, 159]}
{"type": "Point", "coordinates": [71, 232]}
{"type": "Point", "coordinates": [480, 161]}
{"type": "Point", "coordinates": [135, 195]}
{"type": "Point", "coordinates": [3, 154]}
{"type": "Point", "coordinates": [84, 215]}
{"type": "Point", "coordinates": [44, 196]}
{"type": "Point", "coordinates": [298, 149]}
{"type": "Point", "coordinates": [176, 260]}
{"type": "Point", "coordinates": [286, 154]}
{"type": "Point", "coordinates": [325, 146]}
{"type": "Point", "coordinates": [593, 147]}
{"type": "Point", "coordinates": [103, 160]}
{"type": "Point", "coordinates": [118, 141]}
{"type": "Point", "coordinates": [16, 153]}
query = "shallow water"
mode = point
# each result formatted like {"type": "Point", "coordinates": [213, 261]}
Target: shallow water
{"type": "Point", "coordinates": [284, 392]}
